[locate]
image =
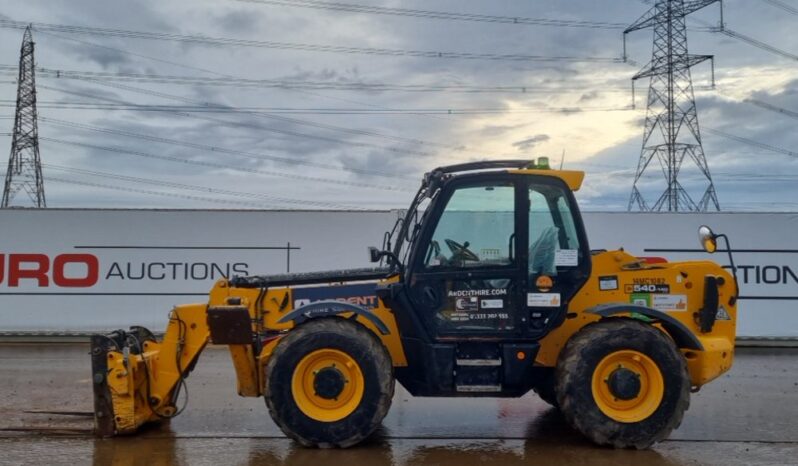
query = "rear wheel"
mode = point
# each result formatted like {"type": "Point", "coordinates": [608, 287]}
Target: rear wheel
{"type": "Point", "coordinates": [329, 383]}
{"type": "Point", "coordinates": [623, 383]}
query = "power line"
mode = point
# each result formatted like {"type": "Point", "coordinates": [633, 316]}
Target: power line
{"type": "Point", "coordinates": [459, 148]}
{"type": "Point", "coordinates": [226, 42]}
{"type": "Point", "coordinates": [455, 146]}
{"type": "Point", "coordinates": [759, 177]}
{"type": "Point", "coordinates": [224, 166]}
{"type": "Point", "coordinates": [317, 111]}
{"type": "Point", "coordinates": [190, 187]}
{"type": "Point", "coordinates": [772, 108]}
{"type": "Point", "coordinates": [263, 115]}
{"type": "Point", "coordinates": [751, 142]}
{"type": "Point", "coordinates": [216, 73]}
{"type": "Point", "coordinates": [213, 149]}
{"type": "Point", "coordinates": [722, 29]}
{"type": "Point", "coordinates": [154, 193]}
{"type": "Point", "coordinates": [355, 131]}
{"type": "Point", "coordinates": [299, 84]}
{"type": "Point", "coordinates": [783, 6]}
{"type": "Point", "coordinates": [117, 104]}
{"type": "Point", "coordinates": [445, 15]}
{"type": "Point", "coordinates": [758, 43]}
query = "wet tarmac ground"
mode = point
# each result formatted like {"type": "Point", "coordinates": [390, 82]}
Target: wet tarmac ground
{"type": "Point", "coordinates": [749, 416]}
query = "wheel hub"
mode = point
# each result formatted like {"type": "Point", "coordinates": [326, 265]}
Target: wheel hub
{"type": "Point", "coordinates": [329, 383]}
{"type": "Point", "coordinates": [627, 386]}
{"type": "Point", "coordinates": [624, 384]}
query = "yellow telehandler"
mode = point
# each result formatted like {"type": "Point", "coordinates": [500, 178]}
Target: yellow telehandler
{"type": "Point", "coordinates": [485, 287]}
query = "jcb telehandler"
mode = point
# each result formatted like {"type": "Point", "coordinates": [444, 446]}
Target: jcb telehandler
{"type": "Point", "coordinates": [489, 289]}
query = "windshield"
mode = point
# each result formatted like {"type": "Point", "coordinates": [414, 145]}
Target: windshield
{"type": "Point", "coordinates": [400, 239]}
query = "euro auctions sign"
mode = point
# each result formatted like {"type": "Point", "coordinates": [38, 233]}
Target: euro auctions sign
{"type": "Point", "coordinates": [86, 270]}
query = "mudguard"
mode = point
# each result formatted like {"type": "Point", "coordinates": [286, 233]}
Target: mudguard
{"type": "Point", "coordinates": [331, 308]}
{"type": "Point", "coordinates": [683, 337]}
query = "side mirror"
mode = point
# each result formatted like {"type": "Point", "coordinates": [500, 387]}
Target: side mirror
{"type": "Point", "coordinates": [374, 254]}
{"type": "Point", "coordinates": [708, 239]}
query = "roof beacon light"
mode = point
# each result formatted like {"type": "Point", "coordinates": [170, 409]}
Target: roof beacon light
{"type": "Point", "coordinates": [543, 163]}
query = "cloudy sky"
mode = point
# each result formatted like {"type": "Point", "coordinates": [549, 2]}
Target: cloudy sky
{"type": "Point", "coordinates": [332, 126]}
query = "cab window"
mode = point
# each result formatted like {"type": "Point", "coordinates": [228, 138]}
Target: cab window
{"type": "Point", "coordinates": [475, 229]}
{"type": "Point", "coordinates": [553, 241]}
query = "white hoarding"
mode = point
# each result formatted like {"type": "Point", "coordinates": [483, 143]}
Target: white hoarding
{"type": "Point", "coordinates": [136, 264]}
{"type": "Point", "coordinates": [85, 270]}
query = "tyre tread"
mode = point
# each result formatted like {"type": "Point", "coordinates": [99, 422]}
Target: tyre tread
{"type": "Point", "coordinates": [594, 427]}
{"type": "Point", "coordinates": [375, 348]}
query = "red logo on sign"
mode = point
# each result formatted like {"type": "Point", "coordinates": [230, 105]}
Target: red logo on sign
{"type": "Point", "coordinates": [38, 267]}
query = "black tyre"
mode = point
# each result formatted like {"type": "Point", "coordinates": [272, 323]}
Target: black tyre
{"type": "Point", "coordinates": [545, 388]}
{"type": "Point", "coordinates": [623, 383]}
{"type": "Point", "coordinates": [329, 383]}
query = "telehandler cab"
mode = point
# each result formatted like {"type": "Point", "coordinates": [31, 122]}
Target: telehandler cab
{"type": "Point", "coordinates": [489, 289]}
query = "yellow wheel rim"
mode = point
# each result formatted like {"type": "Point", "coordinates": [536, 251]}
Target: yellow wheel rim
{"type": "Point", "coordinates": [628, 405]}
{"type": "Point", "coordinates": [327, 385]}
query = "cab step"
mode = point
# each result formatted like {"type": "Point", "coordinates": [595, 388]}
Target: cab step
{"type": "Point", "coordinates": [479, 362]}
{"type": "Point", "coordinates": [479, 388]}
{"type": "Point", "coordinates": [478, 368]}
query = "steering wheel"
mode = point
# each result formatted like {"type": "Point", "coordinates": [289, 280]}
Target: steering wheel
{"type": "Point", "coordinates": [461, 251]}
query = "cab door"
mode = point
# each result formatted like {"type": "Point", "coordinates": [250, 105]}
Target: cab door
{"type": "Point", "coordinates": [558, 258]}
{"type": "Point", "coordinates": [467, 277]}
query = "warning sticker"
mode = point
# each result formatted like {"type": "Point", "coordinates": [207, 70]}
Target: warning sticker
{"type": "Point", "coordinates": [543, 299]}
{"type": "Point", "coordinates": [722, 314]}
{"type": "Point", "coordinates": [566, 257]}
{"type": "Point", "coordinates": [669, 302]}
{"type": "Point", "coordinates": [608, 283]}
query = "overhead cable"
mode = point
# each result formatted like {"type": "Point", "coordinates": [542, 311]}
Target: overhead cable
{"type": "Point", "coordinates": [227, 42]}
{"type": "Point", "coordinates": [445, 15]}
{"type": "Point", "coordinates": [305, 178]}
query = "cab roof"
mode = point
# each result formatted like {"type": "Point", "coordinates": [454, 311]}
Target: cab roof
{"type": "Point", "coordinates": [572, 178]}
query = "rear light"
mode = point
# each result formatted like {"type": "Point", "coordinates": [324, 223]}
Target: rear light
{"type": "Point", "coordinates": [654, 260]}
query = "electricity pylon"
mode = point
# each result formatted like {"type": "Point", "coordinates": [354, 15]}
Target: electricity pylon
{"type": "Point", "coordinates": [24, 174]}
{"type": "Point", "coordinates": [671, 129]}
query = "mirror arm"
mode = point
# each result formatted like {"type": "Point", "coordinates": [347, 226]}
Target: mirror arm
{"type": "Point", "coordinates": [731, 260]}
{"type": "Point", "coordinates": [392, 260]}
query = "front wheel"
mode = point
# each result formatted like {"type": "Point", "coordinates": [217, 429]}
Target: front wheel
{"type": "Point", "coordinates": [329, 383]}
{"type": "Point", "coordinates": [623, 383]}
